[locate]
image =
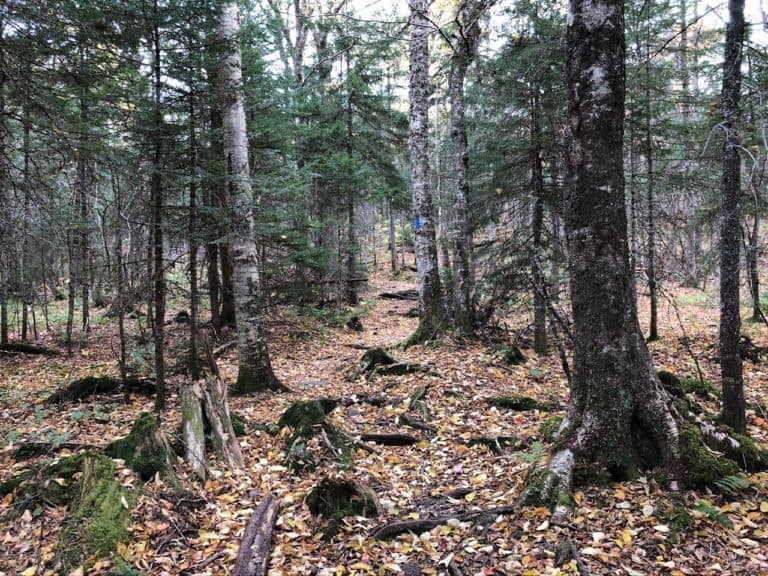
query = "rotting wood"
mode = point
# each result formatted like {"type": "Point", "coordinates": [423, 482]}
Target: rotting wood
{"type": "Point", "coordinates": [411, 295]}
{"type": "Point", "coordinates": [225, 442]}
{"type": "Point", "coordinates": [253, 555]}
{"type": "Point", "coordinates": [27, 450]}
{"type": "Point", "coordinates": [92, 385]}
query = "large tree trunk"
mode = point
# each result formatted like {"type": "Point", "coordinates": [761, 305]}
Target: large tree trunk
{"type": "Point", "coordinates": [431, 305]}
{"type": "Point", "coordinates": [730, 320]}
{"type": "Point", "coordinates": [619, 418]}
{"type": "Point", "coordinates": [255, 370]}
{"type": "Point", "coordinates": [392, 239]}
{"type": "Point", "coordinates": [653, 328]}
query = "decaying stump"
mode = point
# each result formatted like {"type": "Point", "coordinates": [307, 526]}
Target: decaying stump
{"type": "Point", "coordinates": [253, 556]}
{"type": "Point", "coordinates": [378, 361]}
{"type": "Point", "coordinates": [99, 515]}
{"type": "Point", "coordinates": [205, 408]}
{"type": "Point", "coordinates": [91, 385]}
{"type": "Point", "coordinates": [336, 499]}
{"type": "Point", "coordinates": [145, 449]}
{"type": "Point", "coordinates": [307, 420]}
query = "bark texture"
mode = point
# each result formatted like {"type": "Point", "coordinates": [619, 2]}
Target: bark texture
{"type": "Point", "coordinates": [430, 295]}
{"type": "Point", "coordinates": [619, 419]}
{"type": "Point", "coordinates": [465, 49]}
{"type": "Point", "coordinates": [730, 321]}
{"type": "Point", "coordinates": [255, 370]}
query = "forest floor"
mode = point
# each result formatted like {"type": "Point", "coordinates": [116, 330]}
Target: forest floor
{"type": "Point", "coordinates": [631, 528]}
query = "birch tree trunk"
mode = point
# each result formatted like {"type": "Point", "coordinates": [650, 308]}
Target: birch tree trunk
{"type": "Point", "coordinates": [4, 229]}
{"type": "Point", "coordinates": [431, 305]}
{"type": "Point", "coordinates": [730, 320]}
{"type": "Point", "coordinates": [255, 370]}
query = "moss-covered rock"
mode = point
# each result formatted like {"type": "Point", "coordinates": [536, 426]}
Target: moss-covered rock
{"type": "Point", "coordinates": [336, 499]}
{"type": "Point", "coordinates": [701, 466]}
{"type": "Point", "coordinates": [99, 515]}
{"type": "Point", "coordinates": [145, 449]}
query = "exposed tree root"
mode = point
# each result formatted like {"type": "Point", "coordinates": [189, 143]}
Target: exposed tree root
{"type": "Point", "coordinates": [253, 555]}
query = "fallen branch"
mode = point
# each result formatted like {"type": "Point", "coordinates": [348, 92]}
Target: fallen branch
{"type": "Point", "coordinates": [389, 531]}
{"type": "Point", "coordinates": [253, 556]}
{"type": "Point", "coordinates": [224, 347]}
{"type": "Point", "coordinates": [390, 439]}
{"type": "Point", "coordinates": [407, 420]}
{"type": "Point", "coordinates": [400, 295]}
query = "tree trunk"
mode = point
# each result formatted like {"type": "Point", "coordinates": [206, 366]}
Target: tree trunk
{"type": "Point", "coordinates": [120, 280]}
{"type": "Point", "coordinates": [351, 247]}
{"type": "Point", "coordinates": [431, 305]}
{"type": "Point", "coordinates": [730, 320]}
{"type": "Point", "coordinates": [4, 230]}
{"type": "Point", "coordinates": [392, 238]}
{"type": "Point", "coordinates": [255, 370]}
{"type": "Point", "coordinates": [653, 329]}
{"type": "Point", "coordinates": [537, 271]}
{"type": "Point", "coordinates": [156, 187]}
{"type": "Point", "coordinates": [211, 247]}
{"type": "Point", "coordinates": [194, 307]}
{"type": "Point", "coordinates": [26, 288]}
{"type": "Point", "coordinates": [619, 418]}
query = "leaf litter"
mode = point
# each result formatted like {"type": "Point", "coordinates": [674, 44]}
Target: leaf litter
{"type": "Point", "coordinates": [632, 528]}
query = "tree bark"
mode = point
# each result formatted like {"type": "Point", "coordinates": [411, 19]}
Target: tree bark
{"type": "Point", "coordinates": [653, 328]}
{"type": "Point", "coordinates": [730, 320]}
{"type": "Point", "coordinates": [537, 271]}
{"type": "Point", "coordinates": [431, 305]}
{"type": "Point", "coordinates": [255, 370]}
{"type": "Point", "coordinates": [392, 239]}
{"type": "Point", "coordinates": [619, 419]}
{"type": "Point", "coordinates": [156, 187]}
{"type": "Point", "coordinates": [465, 50]}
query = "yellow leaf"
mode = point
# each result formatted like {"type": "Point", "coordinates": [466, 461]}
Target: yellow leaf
{"type": "Point", "coordinates": [361, 566]}
{"type": "Point", "coordinates": [619, 494]}
{"type": "Point", "coordinates": [30, 571]}
{"type": "Point", "coordinates": [626, 537]}
{"type": "Point", "coordinates": [122, 551]}
{"type": "Point", "coordinates": [124, 503]}
{"type": "Point", "coordinates": [470, 497]}
{"type": "Point", "coordinates": [764, 507]}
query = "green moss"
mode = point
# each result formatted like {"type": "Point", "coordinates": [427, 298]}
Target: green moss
{"type": "Point", "coordinates": [49, 483]}
{"type": "Point", "coordinates": [749, 455]}
{"type": "Point", "coordinates": [678, 518]}
{"type": "Point", "coordinates": [99, 515]}
{"type": "Point", "coordinates": [142, 449]}
{"type": "Point", "coordinates": [700, 388]}
{"type": "Point", "coordinates": [239, 424]}
{"type": "Point", "coordinates": [337, 499]}
{"type": "Point", "coordinates": [700, 466]}
{"type": "Point", "coordinates": [512, 356]}
{"type": "Point", "coordinates": [549, 428]}
{"type": "Point", "coordinates": [671, 383]}
{"type": "Point", "coordinates": [307, 419]}
{"type": "Point", "coordinates": [521, 403]}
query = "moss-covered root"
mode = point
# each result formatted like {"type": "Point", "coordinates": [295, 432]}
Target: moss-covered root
{"type": "Point", "coordinates": [738, 448]}
{"type": "Point", "coordinates": [521, 403]}
{"type": "Point", "coordinates": [99, 516]}
{"type": "Point", "coordinates": [35, 485]}
{"type": "Point", "coordinates": [427, 330]}
{"type": "Point", "coordinates": [552, 486]}
{"type": "Point", "coordinates": [145, 449]}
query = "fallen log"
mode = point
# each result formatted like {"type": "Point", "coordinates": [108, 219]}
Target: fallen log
{"type": "Point", "coordinates": [253, 555]}
{"type": "Point", "coordinates": [24, 348]}
{"type": "Point", "coordinates": [28, 450]}
{"type": "Point", "coordinates": [223, 348]}
{"type": "Point", "coordinates": [400, 295]}
{"type": "Point", "coordinates": [390, 439]}
{"type": "Point", "coordinates": [388, 531]}
{"type": "Point", "coordinates": [91, 385]}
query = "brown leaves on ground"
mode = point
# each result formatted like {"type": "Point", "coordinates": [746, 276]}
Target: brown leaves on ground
{"type": "Point", "coordinates": [634, 528]}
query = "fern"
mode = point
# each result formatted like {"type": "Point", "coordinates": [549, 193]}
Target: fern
{"type": "Point", "coordinates": [713, 513]}
{"type": "Point", "coordinates": [732, 484]}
